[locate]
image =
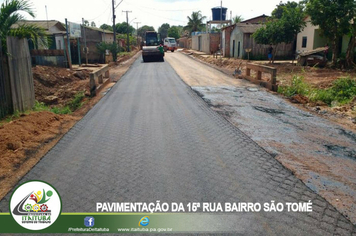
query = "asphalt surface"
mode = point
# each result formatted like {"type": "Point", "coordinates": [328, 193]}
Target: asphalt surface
{"type": "Point", "coordinates": [320, 153]}
{"type": "Point", "coordinates": [153, 138]}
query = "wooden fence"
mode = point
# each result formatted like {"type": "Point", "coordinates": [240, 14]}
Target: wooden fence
{"type": "Point", "coordinates": [6, 107]}
{"type": "Point", "coordinates": [16, 79]}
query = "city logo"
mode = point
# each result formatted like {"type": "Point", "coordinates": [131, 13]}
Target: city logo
{"type": "Point", "coordinates": [144, 221]}
{"type": "Point", "coordinates": [35, 205]}
{"type": "Point", "coordinates": [89, 221]}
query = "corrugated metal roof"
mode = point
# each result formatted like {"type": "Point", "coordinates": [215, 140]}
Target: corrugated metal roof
{"type": "Point", "coordinates": [43, 24]}
{"type": "Point", "coordinates": [248, 28]}
{"type": "Point", "coordinates": [101, 30]}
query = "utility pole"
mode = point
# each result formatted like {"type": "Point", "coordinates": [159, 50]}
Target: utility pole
{"type": "Point", "coordinates": [127, 20]}
{"type": "Point", "coordinates": [113, 20]}
{"type": "Point", "coordinates": [137, 31]}
{"type": "Point", "coordinates": [85, 43]}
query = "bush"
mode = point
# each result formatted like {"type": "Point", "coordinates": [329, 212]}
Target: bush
{"type": "Point", "coordinates": [298, 86]}
{"type": "Point", "coordinates": [342, 91]}
{"type": "Point", "coordinates": [77, 101]}
{"type": "Point", "coordinates": [61, 110]}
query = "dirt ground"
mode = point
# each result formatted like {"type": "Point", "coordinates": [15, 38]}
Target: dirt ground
{"type": "Point", "coordinates": [322, 78]}
{"type": "Point", "coordinates": [25, 140]}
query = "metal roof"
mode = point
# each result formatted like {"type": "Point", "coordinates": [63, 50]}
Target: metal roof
{"type": "Point", "coordinates": [248, 28]}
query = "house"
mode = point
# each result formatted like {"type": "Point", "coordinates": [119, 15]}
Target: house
{"type": "Point", "coordinates": [309, 38]}
{"type": "Point", "coordinates": [54, 30]}
{"type": "Point", "coordinates": [241, 40]}
{"type": "Point", "coordinates": [243, 45]}
{"type": "Point", "coordinates": [257, 20]}
{"type": "Point", "coordinates": [226, 36]}
{"type": "Point", "coordinates": [206, 42]}
{"type": "Point", "coordinates": [93, 37]}
{"type": "Point", "coordinates": [184, 42]}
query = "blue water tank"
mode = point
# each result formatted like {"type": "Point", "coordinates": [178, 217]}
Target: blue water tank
{"type": "Point", "coordinates": [216, 13]}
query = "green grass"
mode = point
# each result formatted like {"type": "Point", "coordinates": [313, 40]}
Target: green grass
{"type": "Point", "coordinates": [342, 91]}
{"type": "Point", "coordinates": [76, 103]}
{"type": "Point", "coordinates": [72, 106]}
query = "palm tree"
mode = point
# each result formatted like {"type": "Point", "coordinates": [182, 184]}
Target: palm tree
{"type": "Point", "coordinates": [10, 15]}
{"type": "Point", "coordinates": [195, 22]}
{"type": "Point", "coordinates": [237, 19]}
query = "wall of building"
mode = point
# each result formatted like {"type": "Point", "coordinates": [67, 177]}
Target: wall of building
{"type": "Point", "coordinates": [214, 42]}
{"type": "Point", "coordinates": [59, 42]}
{"type": "Point", "coordinates": [93, 37]}
{"type": "Point", "coordinates": [308, 32]}
{"type": "Point", "coordinates": [207, 43]}
{"type": "Point", "coordinates": [258, 51]}
{"type": "Point", "coordinates": [236, 39]}
{"type": "Point", "coordinates": [226, 41]}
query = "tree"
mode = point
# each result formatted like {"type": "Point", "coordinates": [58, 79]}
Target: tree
{"type": "Point", "coordinates": [237, 19]}
{"type": "Point", "coordinates": [279, 10]}
{"type": "Point", "coordinates": [281, 30]}
{"type": "Point", "coordinates": [92, 24]}
{"type": "Point", "coordinates": [195, 22]}
{"type": "Point", "coordinates": [174, 32]}
{"type": "Point", "coordinates": [86, 23]}
{"type": "Point", "coordinates": [112, 47]}
{"type": "Point", "coordinates": [142, 30]}
{"type": "Point", "coordinates": [163, 30]}
{"type": "Point", "coordinates": [333, 19]}
{"type": "Point", "coordinates": [10, 15]}
{"type": "Point", "coordinates": [106, 27]}
{"type": "Point", "coordinates": [121, 28]}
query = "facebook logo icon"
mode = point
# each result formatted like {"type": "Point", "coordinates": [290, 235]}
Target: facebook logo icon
{"type": "Point", "coordinates": [89, 221]}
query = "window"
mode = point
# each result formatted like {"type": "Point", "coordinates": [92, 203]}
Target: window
{"type": "Point", "coordinates": [304, 42]}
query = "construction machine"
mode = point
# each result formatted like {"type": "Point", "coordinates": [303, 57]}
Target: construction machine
{"type": "Point", "coordinates": [153, 49]}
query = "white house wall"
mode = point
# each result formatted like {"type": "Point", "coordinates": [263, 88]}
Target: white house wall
{"type": "Point", "coordinates": [59, 42]}
{"type": "Point", "coordinates": [236, 35]}
{"type": "Point", "coordinates": [309, 32]}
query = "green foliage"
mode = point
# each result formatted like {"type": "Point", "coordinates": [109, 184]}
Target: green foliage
{"type": "Point", "coordinates": [277, 13]}
{"type": "Point", "coordinates": [142, 30]}
{"type": "Point", "coordinates": [112, 47]}
{"type": "Point", "coordinates": [283, 29]}
{"type": "Point", "coordinates": [333, 18]}
{"type": "Point", "coordinates": [298, 86]}
{"type": "Point", "coordinates": [10, 15]}
{"type": "Point", "coordinates": [237, 19]}
{"type": "Point", "coordinates": [342, 91]}
{"type": "Point", "coordinates": [174, 32]}
{"type": "Point", "coordinates": [163, 30]}
{"type": "Point", "coordinates": [76, 103]}
{"type": "Point", "coordinates": [106, 27]}
{"type": "Point", "coordinates": [195, 22]}
{"type": "Point", "coordinates": [92, 24]}
{"type": "Point", "coordinates": [61, 110]}
{"type": "Point", "coordinates": [121, 28]}
{"type": "Point", "coordinates": [40, 106]}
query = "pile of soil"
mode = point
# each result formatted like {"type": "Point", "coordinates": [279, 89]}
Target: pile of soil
{"type": "Point", "coordinates": [57, 86]}
{"type": "Point", "coordinates": [25, 140]}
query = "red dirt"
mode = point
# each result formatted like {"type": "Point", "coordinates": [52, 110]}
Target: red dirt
{"type": "Point", "coordinates": [23, 139]}
{"type": "Point", "coordinates": [58, 86]}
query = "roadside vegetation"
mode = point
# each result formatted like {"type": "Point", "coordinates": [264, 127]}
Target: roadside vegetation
{"type": "Point", "coordinates": [72, 106]}
{"type": "Point", "coordinates": [342, 91]}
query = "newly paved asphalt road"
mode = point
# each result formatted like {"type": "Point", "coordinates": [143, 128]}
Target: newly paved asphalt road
{"type": "Point", "coordinates": [152, 138]}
